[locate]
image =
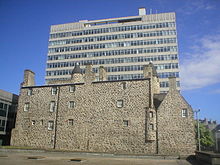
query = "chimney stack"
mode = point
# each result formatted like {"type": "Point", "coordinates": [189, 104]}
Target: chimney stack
{"type": "Point", "coordinates": [89, 74]}
{"type": "Point", "coordinates": [29, 78]}
{"type": "Point", "coordinates": [142, 11]}
{"type": "Point", "coordinates": [172, 83]}
{"type": "Point", "coordinates": [102, 74]}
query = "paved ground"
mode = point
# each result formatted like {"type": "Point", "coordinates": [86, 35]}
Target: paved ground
{"type": "Point", "coordinates": [12, 157]}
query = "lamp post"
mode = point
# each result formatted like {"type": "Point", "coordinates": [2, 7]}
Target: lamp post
{"type": "Point", "coordinates": [197, 117]}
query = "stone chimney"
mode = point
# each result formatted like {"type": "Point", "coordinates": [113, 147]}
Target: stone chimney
{"type": "Point", "coordinates": [150, 72]}
{"type": "Point", "coordinates": [76, 75]}
{"type": "Point", "coordinates": [102, 74]}
{"type": "Point", "coordinates": [172, 83]}
{"type": "Point", "coordinates": [29, 78]}
{"type": "Point", "coordinates": [89, 74]}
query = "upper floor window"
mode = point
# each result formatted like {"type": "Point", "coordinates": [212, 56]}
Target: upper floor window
{"type": "Point", "coordinates": [41, 122]}
{"type": "Point", "coordinates": [71, 104]}
{"type": "Point", "coordinates": [124, 85]}
{"type": "Point", "coordinates": [52, 106]}
{"type": "Point", "coordinates": [151, 114]}
{"type": "Point", "coordinates": [50, 125]}
{"type": "Point", "coordinates": [29, 92]}
{"type": "Point", "coordinates": [125, 122]}
{"type": "Point", "coordinates": [26, 106]}
{"type": "Point", "coordinates": [119, 103]}
{"type": "Point", "coordinates": [70, 122]}
{"type": "Point", "coordinates": [151, 127]}
{"type": "Point", "coordinates": [54, 90]}
{"type": "Point", "coordinates": [72, 88]}
{"type": "Point", "coordinates": [184, 113]}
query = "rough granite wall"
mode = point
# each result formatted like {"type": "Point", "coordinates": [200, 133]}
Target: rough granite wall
{"type": "Point", "coordinates": [26, 134]}
{"type": "Point", "coordinates": [176, 134]}
{"type": "Point", "coordinates": [94, 124]}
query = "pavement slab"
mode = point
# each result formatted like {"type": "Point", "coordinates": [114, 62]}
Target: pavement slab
{"type": "Point", "coordinates": [68, 158]}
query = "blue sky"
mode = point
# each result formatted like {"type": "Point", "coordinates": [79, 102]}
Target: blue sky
{"type": "Point", "coordinates": [24, 33]}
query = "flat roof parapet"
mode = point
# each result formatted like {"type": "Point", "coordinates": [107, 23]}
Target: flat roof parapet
{"type": "Point", "coordinates": [85, 23]}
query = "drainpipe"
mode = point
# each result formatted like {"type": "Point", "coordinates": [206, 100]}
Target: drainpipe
{"type": "Point", "coordinates": [55, 124]}
{"type": "Point", "coordinates": [157, 143]}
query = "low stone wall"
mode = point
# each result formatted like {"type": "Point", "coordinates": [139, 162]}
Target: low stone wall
{"type": "Point", "coordinates": [208, 158]}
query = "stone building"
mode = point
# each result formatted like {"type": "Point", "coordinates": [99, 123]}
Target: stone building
{"type": "Point", "coordinates": [123, 116]}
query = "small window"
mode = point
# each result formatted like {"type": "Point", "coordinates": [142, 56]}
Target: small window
{"type": "Point", "coordinates": [119, 103]}
{"type": "Point", "coordinates": [54, 90]}
{"type": "Point", "coordinates": [184, 113]}
{"type": "Point", "coordinates": [29, 92]}
{"type": "Point", "coordinates": [42, 122]}
{"type": "Point", "coordinates": [3, 123]}
{"type": "Point", "coordinates": [72, 88]}
{"type": "Point", "coordinates": [26, 106]}
{"type": "Point", "coordinates": [52, 106]}
{"type": "Point", "coordinates": [1, 105]}
{"type": "Point", "coordinates": [70, 122]}
{"type": "Point", "coordinates": [33, 122]}
{"type": "Point", "coordinates": [5, 106]}
{"type": "Point", "coordinates": [151, 114]}
{"type": "Point", "coordinates": [151, 127]}
{"type": "Point", "coordinates": [71, 104]}
{"type": "Point", "coordinates": [50, 125]}
{"type": "Point", "coordinates": [125, 122]}
{"type": "Point", "coordinates": [124, 85]}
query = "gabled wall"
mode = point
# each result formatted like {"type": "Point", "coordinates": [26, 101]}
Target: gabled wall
{"type": "Point", "coordinates": [176, 134]}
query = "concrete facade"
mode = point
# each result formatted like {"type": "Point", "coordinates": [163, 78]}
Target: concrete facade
{"type": "Point", "coordinates": [128, 116]}
{"type": "Point", "coordinates": [8, 110]}
{"type": "Point", "coordinates": [122, 45]}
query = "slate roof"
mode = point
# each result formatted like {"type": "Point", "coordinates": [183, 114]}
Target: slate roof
{"type": "Point", "coordinates": [158, 98]}
{"type": "Point", "coordinates": [76, 69]}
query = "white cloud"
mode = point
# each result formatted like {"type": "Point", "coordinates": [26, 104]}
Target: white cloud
{"type": "Point", "coordinates": [194, 6]}
{"type": "Point", "coordinates": [203, 66]}
{"type": "Point", "coordinates": [216, 91]}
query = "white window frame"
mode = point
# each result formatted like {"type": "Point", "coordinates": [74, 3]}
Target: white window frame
{"type": "Point", "coordinates": [151, 114]}
{"type": "Point", "coordinates": [119, 103]}
{"type": "Point", "coordinates": [52, 106]}
{"type": "Point", "coordinates": [50, 125]}
{"type": "Point", "coordinates": [184, 112]}
{"type": "Point", "coordinates": [54, 90]}
{"type": "Point", "coordinates": [29, 92]}
{"type": "Point", "coordinates": [72, 88]}
{"type": "Point", "coordinates": [71, 104]}
{"type": "Point", "coordinates": [151, 126]}
{"type": "Point", "coordinates": [26, 107]}
{"type": "Point", "coordinates": [126, 123]}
